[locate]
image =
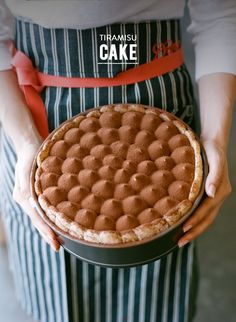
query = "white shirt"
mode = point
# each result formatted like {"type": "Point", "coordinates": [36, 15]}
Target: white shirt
{"type": "Point", "coordinates": [213, 23]}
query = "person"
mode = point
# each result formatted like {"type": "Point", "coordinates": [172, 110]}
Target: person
{"type": "Point", "coordinates": [63, 39]}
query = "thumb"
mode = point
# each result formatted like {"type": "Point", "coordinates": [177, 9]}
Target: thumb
{"type": "Point", "coordinates": [23, 168]}
{"type": "Point", "coordinates": [216, 162]}
{"type": "Point", "coordinates": [22, 176]}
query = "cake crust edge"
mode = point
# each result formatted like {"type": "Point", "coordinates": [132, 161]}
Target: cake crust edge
{"type": "Point", "coordinates": [138, 233]}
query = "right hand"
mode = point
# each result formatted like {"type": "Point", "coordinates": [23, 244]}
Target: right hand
{"type": "Point", "coordinates": [21, 192]}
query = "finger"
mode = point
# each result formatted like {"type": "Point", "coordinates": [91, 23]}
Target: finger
{"type": "Point", "coordinates": [40, 225]}
{"type": "Point", "coordinates": [48, 235]}
{"type": "Point", "coordinates": [38, 222]}
{"type": "Point", "coordinates": [54, 244]}
{"type": "Point", "coordinates": [19, 194]}
{"type": "Point", "coordinates": [16, 189]}
{"type": "Point", "coordinates": [199, 228]}
{"type": "Point", "coordinates": [201, 212]}
{"type": "Point", "coordinates": [45, 231]}
{"type": "Point", "coordinates": [216, 162]}
{"type": "Point", "coordinates": [206, 207]}
{"type": "Point", "coordinates": [23, 177]}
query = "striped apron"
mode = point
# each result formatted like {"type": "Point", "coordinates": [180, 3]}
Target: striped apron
{"type": "Point", "coordinates": [57, 286]}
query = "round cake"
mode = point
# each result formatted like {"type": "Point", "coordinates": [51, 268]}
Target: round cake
{"type": "Point", "coordinates": [119, 173]}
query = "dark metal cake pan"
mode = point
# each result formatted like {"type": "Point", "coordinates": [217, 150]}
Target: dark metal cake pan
{"type": "Point", "coordinates": [127, 255]}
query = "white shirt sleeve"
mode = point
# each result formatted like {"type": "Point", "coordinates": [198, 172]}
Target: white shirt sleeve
{"type": "Point", "coordinates": [213, 25]}
{"type": "Point", "coordinates": [6, 34]}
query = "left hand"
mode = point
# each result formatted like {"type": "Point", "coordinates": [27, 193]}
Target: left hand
{"type": "Point", "coordinates": [217, 188]}
{"type": "Point", "coordinates": [21, 191]}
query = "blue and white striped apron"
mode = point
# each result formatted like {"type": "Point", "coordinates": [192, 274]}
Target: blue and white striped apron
{"type": "Point", "coordinates": [57, 287]}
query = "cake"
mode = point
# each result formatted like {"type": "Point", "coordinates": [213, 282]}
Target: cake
{"type": "Point", "coordinates": [119, 173]}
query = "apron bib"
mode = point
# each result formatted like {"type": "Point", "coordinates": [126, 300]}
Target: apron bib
{"type": "Point", "coordinates": [58, 287]}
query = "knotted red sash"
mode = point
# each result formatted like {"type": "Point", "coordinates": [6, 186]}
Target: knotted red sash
{"type": "Point", "coordinates": [32, 81]}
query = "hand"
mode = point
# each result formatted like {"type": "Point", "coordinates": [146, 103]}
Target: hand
{"type": "Point", "coordinates": [217, 188]}
{"type": "Point", "coordinates": [15, 115]}
{"type": "Point", "coordinates": [21, 192]}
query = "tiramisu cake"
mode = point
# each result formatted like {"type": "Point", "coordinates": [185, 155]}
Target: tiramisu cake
{"type": "Point", "coordinates": [118, 174]}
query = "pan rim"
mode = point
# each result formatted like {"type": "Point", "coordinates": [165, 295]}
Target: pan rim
{"type": "Point", "coordinates": [134, 244]}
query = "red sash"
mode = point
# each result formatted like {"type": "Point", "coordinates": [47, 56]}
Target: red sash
{"type": "Point", "coordinates": [32, 82]}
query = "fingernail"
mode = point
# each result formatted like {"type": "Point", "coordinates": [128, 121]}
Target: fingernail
{"type": "Point", "coordinates": [56, 249]}
{"type": "Point", "coordinates": [187, 228]}
{"type": "Point", "coordinates": [183, 243]}
{"type": "Point", "coordinates": [53, 238]}
{"type": "Point", "coordinates": [211, 191]}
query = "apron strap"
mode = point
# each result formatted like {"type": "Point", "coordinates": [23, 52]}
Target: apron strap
{"type": "Point", "coordinates": [32, 82]}
{"type": "Point", "coordinates": [28, 82]}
